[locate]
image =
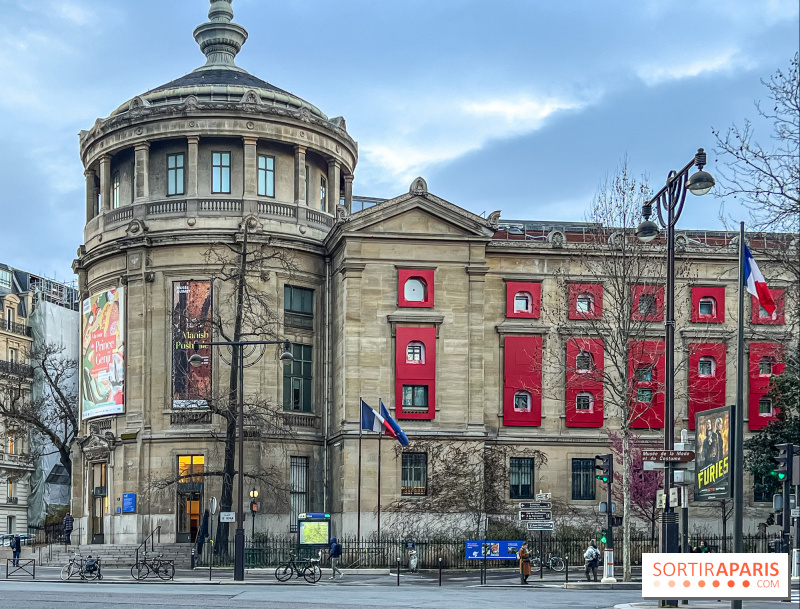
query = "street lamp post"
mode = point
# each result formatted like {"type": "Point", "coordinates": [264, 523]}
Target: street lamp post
{"type": "Point", "coordinates": [197, 360]}
{"type": "Point", "coordinates": [669, 202]}
{"type": "Point", "coordinates": [253, 497]}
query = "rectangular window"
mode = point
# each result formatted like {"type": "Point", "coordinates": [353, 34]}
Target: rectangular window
{"type": "Point", "coordinates": [305, 187]}
{"type": "Point", "coordinates": [520, 478]}
{"type": "Point", "coordinates": [12, 356]}
{"type": "Point", "coordinates": [704, 367]}
{"type": "Point", "coordinates": [583, 481]}
{"type": "Point", "coordinates": [414, 474]}
{"type": "Point", "coordinates": [266, 176]}
{"type": "Point", "coordinates": [765, 367]}
{"type": "Point", "coordinates": [9, 319]}
{"type": "Point", "coordinates": [5, 279]}
{"type": "Point", "coordinates": [299, 489]}
{"type": "Point", "coordinates": [297, 380]}
{"type": "Point", "coordinates": [11, 445]}
{"type": "Point", "coordinates": [765, 407]}
{"type": "Point", "coordinates": [323, 188]}
{"type": "Point", "coordinates": [706, 307]}
{"type": "Point", "coordinates": [221, 172]}
{"type": "Point", "coordinates": [415, 396]}
{"type": "Point", "coordinates": [191, 468]}
{"type": "Point", "coordinates": [583, 304]}
{"type": "Point", "coordinates": [647, 304]}
{"type": "Point", "coordinates": [644, 374]}
{"type": "Point", "coordinates": [175, 174]}
{"type": "Point", "coordinates": [10, 488]}
{"type": "Point", "coordinates": [644, 395]}
{"type": "Point", "coordinates": [298, 300]}
{"type": "Point", "coordinates": [115, 191]}
{"type": "Point", "coordinates": [414, 353]}
{"type": "Point", "coordinates": [583, 401]}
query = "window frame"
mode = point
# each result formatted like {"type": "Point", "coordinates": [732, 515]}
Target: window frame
{"type": "Point", "coordinates": [521, 468]}
{"type": "Point", "coordinates": [5, 279]}
{"type": "Point", "coordinates": [584, 394]}
{"type": "Point", "coordinates": [267, 173]}
{"type": "Point", "coordinates": [641, 378]}
{"type": "Point", "coordinates": [639, 391]}
{"type": "Point", "coordinates": [193, 475]}
{"type": "Point", "coordinates": [224, 170]}
{"type": "Point", "coordinates": [522, 393]}
{"type": "Point", "coordinates": [423, 285]}
{"type": "Point", "coordinates": [707, 300]}
{"type": "Point", "coordinates": [291, 293]}
{"type": "Point", "coordinates": [528, 297]}
{"type": "Point", "coordinates": [584, 297]}
{"type": "Point", "coordinates": [583, 479]}
{"type": "Point", "coordinates": [298, 488]}
{"type": "Point", "coordinates": [115, 185]}
{"type": "Point", "coordinates": [413, 390]}
{"type": "Point", "coordinates": [323, 192]}
{"type": "Point", "coordinates": [707, 359]}
{"type": "Point", "coordinates": [413, 468]}
{"type": "Point", "coordinates": [766, 360]}
{"type": "Point", "coordinates": [587, 356]}
{"type": "Point", "coordinates": [652, 308]}
{"type": "Point", "coordinates": [302, 381]}
{"type": "Point", "coordinates": [176, 176]}
{"type": "Point", "coordinates": [418, 347]}
{"type": "Point", "coordinates": [768, 400]}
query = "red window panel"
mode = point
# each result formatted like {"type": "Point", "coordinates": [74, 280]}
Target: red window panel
{"type": "Point", "coordinates": [408, 295]}
{"type": "Point", "coordinates": [594, 292]}
{"type": "Point", "coordinates": [649, 308]}
{"type": "Point", "coordinates": [646, 378]}
{"type": "Point", "coordinates": [777, 318]}
{"type": "Point", "coordinates": [415, 368]}
{"type": "Point", "coordinates": [704, 298]}
{"type": "Point", "coordinates": [706, 391]}
{"type": "Point", "coordinates": [532, 292]}
{"type": "Point", "coordinates": [584, 384]}
{"type": "Point", "coordinates": [761, 355]}
{"type": "Point", "coordinates": [523, 381]}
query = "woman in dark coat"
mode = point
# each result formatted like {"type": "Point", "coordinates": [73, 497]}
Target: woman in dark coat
{"type": "Point", "coordinates": [524, 563]}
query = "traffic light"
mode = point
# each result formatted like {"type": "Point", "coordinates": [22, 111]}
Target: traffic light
{"type": "Point", "coordinates": [782, 464]}
{"type": "Point", "coordinates": [606, 467]}
{"type": "Point", "coordinates": [603, 536]}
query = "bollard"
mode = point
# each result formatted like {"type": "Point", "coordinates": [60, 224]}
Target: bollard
{"type": "Point", "coordinates": [566, 569]}
{"type": "Point", "coordinates": [398, 570]}
{"type": "Point", "coordinates": [193, 558]}
{"type": "Point", "coordinates": [440, 570]}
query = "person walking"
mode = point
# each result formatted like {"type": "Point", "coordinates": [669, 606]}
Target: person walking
{"type": "Point", "coordinates": [335, 554]}
{"type": "Point", "coordinates": [592, 558]}
{"type": "Point", "coordinates": [16, 548]}
{"type": "Point", "coordinates": [524, 563]}
{"type": "Point", "coordinates": [68, 522]}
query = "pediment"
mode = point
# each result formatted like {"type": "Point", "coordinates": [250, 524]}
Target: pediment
{"type": "Point", "coordinates": [417, 221]}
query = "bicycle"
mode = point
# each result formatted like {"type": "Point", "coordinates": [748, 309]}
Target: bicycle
{"type": "Point", "coordinates": [553, 562]}
{"type": "Point", "coordinates": [82, 568]}
{"type": "Point", "coordinates": [164, 569]}
{"type": "Point", "coordinates": [309, 570]}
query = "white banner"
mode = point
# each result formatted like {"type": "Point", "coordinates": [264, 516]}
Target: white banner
{"type": "Point", "coordinates": [716, 576]}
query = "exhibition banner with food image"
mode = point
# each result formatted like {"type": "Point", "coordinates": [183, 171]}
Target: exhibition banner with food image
{"type": "Point", "coordinates": [191, 323]}
{"type": "Point", "coordinates": [102, 376]}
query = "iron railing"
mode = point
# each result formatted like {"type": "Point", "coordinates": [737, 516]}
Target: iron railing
{"type": "Point", "coordinates": [23, 370]}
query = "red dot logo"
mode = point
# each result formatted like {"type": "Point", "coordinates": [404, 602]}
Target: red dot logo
{"type": "Point", "coordinates": [746, 583]}
{"type": "Point", "coordinates": [731, 583]}
{"type": "Point", "coordinates": [715, 583]}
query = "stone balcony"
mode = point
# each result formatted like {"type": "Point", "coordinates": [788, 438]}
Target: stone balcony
{"type": "Point", "coordinates": [15, 461]}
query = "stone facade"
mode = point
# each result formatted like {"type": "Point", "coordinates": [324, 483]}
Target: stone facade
{"type": "Point", "coordinates": [141, 238]}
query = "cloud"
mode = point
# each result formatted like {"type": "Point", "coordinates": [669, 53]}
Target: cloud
{"type": "Point", "coordinates": [654, 74]}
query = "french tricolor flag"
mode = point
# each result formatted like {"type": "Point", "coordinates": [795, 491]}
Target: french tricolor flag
{"type": "Point", "coordinates": [372, 421]}
{"type": "Point", "coordinates": [755, 282]}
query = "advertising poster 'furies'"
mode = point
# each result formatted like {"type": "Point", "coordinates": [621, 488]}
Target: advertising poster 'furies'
{"type": "Point", "coordinates": [712, 467]}
{"type": "Point", "coordinates": [191, 323]}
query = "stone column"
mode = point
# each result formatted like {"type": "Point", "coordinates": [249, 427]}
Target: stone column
{"type": "Point", "coordinates": [193, 142]}
{"type": "Point", "coordinates": [105, 182]}
{"type": "Point", "coordinates": [250, 172]}
{"type": "Point", "coordinates": [142, 169]}
{"type": "Point", "coordinates": [348, 192]}
{"type": "Point", "coordinates": [333, 186]}
{"type": "Point", "coordinates": [300, 175]}
{"type": "Point", "coordinates": [476, 274]}
{"type": "Point", "coordinates": [91, 201]}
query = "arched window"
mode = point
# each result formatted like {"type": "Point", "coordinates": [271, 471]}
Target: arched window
{"type": "Point", "coordinates": [584, 402]}
{"type": "Point", "coordinates": [707, 306]}
{"type": "Point", "coordinates": [584, 303]}
{"type": "Point", "coordinates": [584, 361]}
{"type": "Point", "coordinates": [707, 366]}
{"type": "Point", "coordinates": [647, 304]}
{"type": "Point", "coordinates": [765, 366]}
{"type": "Point", "coordinates": [522, 302]}
{"type": "Point", "coordinates": [415, 353]}
{"type": "Point", "coordinates": [522, 401]}
{"type": "Point", "coordinates": [415, 289]}
{"type": "Point", "coordinates": [765, 407]}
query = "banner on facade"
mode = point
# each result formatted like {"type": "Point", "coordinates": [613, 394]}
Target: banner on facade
{"type": "Point", "coordinates": [191, 323]}
{"type": "Point", "coordinates": [712, 455]}
{"type": "Point", "coordinates": [102, 376]}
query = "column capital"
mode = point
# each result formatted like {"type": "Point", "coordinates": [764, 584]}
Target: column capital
{"type": "Point", "coordinates": [142, 146]}
{"type": "Point", "coordinates": [193, 139]}
{"type": "Point", "coordinates": [299, 149]}
{"type": "Point", "coordinates": [249, 140]}
{"type": "Point", "coordinates": [334, 163]}
{"type": "Point", "coordinates": [105, 158]}
{"type": "Point", "coordinates": [348, 178]}
{"type": "Point", "coordinates": [89, 172]}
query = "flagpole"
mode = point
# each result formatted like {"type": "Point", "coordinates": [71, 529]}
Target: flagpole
{"type": "Point", "coordinates": [380, 436]}
{"type": "Point", "coordinates": [738, 437]}
{"type": "Point", "coordinates": [358, 515]}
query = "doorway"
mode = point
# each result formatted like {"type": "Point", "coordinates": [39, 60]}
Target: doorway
{"type": "Point", "coordinates": [99, 501]}
{"type": "Point", "coordinates": [188, 517]}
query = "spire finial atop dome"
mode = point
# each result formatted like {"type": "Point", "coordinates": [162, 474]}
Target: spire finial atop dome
{"type": "Point", "coordinates": [219, 38]}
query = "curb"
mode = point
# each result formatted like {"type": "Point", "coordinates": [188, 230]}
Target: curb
{"type": "Point", "coordinates": [600, 586]}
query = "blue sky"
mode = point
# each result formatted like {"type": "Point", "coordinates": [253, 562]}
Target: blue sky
{"type": "Point", "coordinates": [523, 106]}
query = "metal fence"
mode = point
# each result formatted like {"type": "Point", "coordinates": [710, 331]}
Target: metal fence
{"type": "Point", "coordinates": [264, 552]}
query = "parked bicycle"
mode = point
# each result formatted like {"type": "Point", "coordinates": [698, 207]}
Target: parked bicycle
{"type": "Point", "coordinates": [553, 562]}
{"type": "Point", "coordinates": [309, 569]}
{"type": "Point", "coordinates": [165, 569]}
{"type": "Point", "coordinates": [77, 566]}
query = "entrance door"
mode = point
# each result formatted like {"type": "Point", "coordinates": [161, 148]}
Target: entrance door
{"type": "Point", "coordinates": [99, 501]}
{"type": "Point", "coordinates": [188, 516]}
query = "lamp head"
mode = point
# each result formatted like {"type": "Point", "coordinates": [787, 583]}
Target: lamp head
{"type": "Point", "coordinates": [287, 356]}
{"type": "Point", "coordinates": [196, 360]}
{"type": "Point", "coordinates": [700, 183]}
{"type": "Point", "coordinates": [647, 231]}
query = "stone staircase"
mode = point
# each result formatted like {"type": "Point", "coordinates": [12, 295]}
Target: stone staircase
{"type": "Point", "coordinates": [120, 555]}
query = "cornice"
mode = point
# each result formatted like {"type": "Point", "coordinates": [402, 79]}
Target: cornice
{"type": "Point", "coordinates": [415, 317]}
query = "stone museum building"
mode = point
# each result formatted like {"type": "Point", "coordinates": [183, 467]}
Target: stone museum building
{"type": "Point", "coordinates": [473, 331]}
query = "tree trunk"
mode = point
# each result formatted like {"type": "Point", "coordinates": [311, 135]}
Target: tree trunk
{"type": "Point", "coordinates": [626, 496]}
{"type": "Point", "coordinates": [229, 468]}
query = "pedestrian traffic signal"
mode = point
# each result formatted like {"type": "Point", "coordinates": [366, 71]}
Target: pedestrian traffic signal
{"type": "Point", "coordinates": [603, 536]}
{"type": "Point", "coordinates": [782, 463]}
{"type": "Point", "coordinates": [606, 467]}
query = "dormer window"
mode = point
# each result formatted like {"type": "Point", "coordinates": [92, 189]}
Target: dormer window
{"type": "Point", "coordinates": [584, 361]}
{"type": "Point", "coordinates": [707, 306]}
{"type": "Point", "coordinates": [415, 353]}
{"type": "Point", "coordinates": [5, 279]}
{"type": "Point", "coordinates": [522, 401]}
{"type": "Point", "coordinates": [522, 302]}
{"type": "Point", "coordinates": [584, 303]}
{"type": "Point", "coordinates": [415, 289]}
{"type": "Point", "coordinates": [706, 366]}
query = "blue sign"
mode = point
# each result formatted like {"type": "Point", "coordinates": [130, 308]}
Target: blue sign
{"type": "Point", "coordinates": [493, 550]}
{"type": "Point", "coordinates": [128, 503]}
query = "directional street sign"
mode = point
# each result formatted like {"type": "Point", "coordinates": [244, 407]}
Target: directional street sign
{"type": "Point", "coordinates": [543, 496]}
{"type": "Point", "coordinates": [547, 525]}
{"type": "Point", "coordinates": [527, 516]}
{"type": "Point", "coordinates": [535, 505]}
{"type": "Point", "coordinates": [672, 456]}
